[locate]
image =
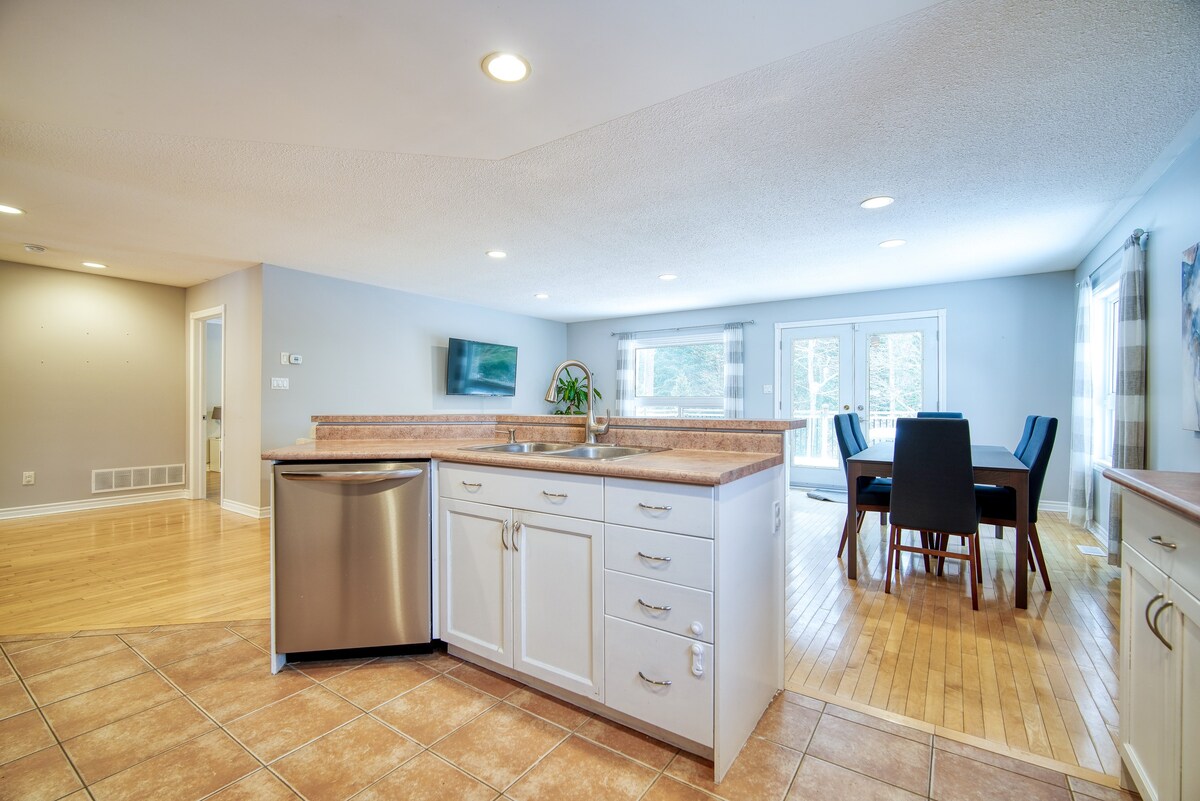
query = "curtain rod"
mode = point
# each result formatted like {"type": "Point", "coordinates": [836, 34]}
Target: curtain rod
{"type": "Point", "coordinates": [1138, 233]}
{"type": "Point", "coordinates": [681, 328]}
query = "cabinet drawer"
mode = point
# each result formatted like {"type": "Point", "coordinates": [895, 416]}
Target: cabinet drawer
{"type": "Point", "coordinates": [681, 508]}
{"type": "Point", "coordinates": [682, 610]}
{"type": "Point", "coordinates": [684, 707]}
{"type": "Point", "coordinates": [655, 554]}
{"type": "Point", "coordinates": [553, 493]}
{"type": "Point", "coordinates": [1142, 520]}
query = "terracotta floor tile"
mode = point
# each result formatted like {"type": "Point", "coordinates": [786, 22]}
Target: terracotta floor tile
{"type": "Point", "coordinates": [286, 725]}
{"type": "Point", "coordinates": [1099, 791]}
{"type": "Point", "coordinates": [668, 789]}
{"type": "Point", "coordinates": [23, 734]}
{"type": "Point", "coordinates": [95, 708]}
{"type": "Point", "coordinates": [788, 724]}
{"type": "Point", "coordinates": [119, 631]}
{"type": "Point", "coordinates": [957, 778]}
{"type": "Point", "coordinates": [62, 653]}
{"type": "Point", "coordinates": [425, 777]}
{"type": "Point", "coordinates": [260, 786]}
{"type": "Point", "coordinates": [431, 711]}
{"type": "Point", "coordinates": [481, 679]}
{"type": "Point", "coordinates": [320, 671]}
{"type": "Point", "coordinates": [374, 683]}
{"type": "Point", "coordinates": [55, 685]}
{"type": "Point", "coordinates": [558, 712]}
{"type": "Point", "coordinates": [762, 772]}
{"type": "Point", "coordinates": [829, 782]}
{"type": "Point", "coordinates": [1001, 761]}
{"type": "Point", "coordinates": [803, 700]}
{"type": "Point", "coordinates": [580, 770]}
{"type": "Point", "coordinates": [113, 748]}
{"type": "Point", "coordinates": [500, 745]}
{"type": "Point", "coordinates": [221, 663]}
{"type": "Point", "coordinates": [16, 647]}
{"type": "Point", "coordinates": [191, 771]}
{"type": "Point", "coordinates": [7, 674]}
{"type": "Point", "coordinates": [13, 700]}
{"type": "Point", "coordinates": [632, 744]}
{"type": "Point", "coordinates": [345, 761]}
{"type": "Point", "coordinates": [438, 660]}
{"type": "Point", "coordinates": [878, 754]}
{"type": "Point", "coordinates": [898, 729]}
{"type": "Point", "coordinates": [248, 691]}
{"type": "Point", "coordinates": [5, 639]}
{"type": "Point", "coordinates": [258, 635]}
{"type": "Point", "coordinates": [179, 645]}
{"type": "Point", "coordinates": [42, 776]}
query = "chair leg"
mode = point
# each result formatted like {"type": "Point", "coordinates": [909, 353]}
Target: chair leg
{"type": "Point", "coordinates": [999, 532]}
{"type": "Point", "coordinates": [925, 544]}
{"type": "Point", "coordinates": [887, 581]}
{"type": "Point", "coordinates": [859, 521]}
{"type": "Point", "coordinates": [973, 552]}
{"type": "Point", "coordinates": [978, 560]}
{"type": "Point", "coordinates": [942, 540]}
{"type": "Point", "coordinates": [845, 536]}
{"type": "Point", "coordinates": [1036, 548]}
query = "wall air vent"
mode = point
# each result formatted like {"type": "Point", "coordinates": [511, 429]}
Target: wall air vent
{"type": "Point", "coordinates": [115, 479]}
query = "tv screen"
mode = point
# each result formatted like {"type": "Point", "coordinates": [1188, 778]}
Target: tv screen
{"type": "Point", "coordinates": [480, 368]}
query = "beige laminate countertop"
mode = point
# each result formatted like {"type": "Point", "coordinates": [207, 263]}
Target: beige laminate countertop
{"type": "Point", "coordinates": [678, 465]}
{"type": "Point", "coordinates": [1179, 492]}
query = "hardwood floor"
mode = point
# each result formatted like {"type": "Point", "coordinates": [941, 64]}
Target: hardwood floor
{"type": "Point", "coordinates": [1040, 681]}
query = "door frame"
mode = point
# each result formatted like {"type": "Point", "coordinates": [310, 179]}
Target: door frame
{"type": "Point", "coordinates": [196, 434]}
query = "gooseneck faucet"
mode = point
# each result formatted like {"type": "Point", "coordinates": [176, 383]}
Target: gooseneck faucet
{"type": "Point", "coordinates": [593, 428]}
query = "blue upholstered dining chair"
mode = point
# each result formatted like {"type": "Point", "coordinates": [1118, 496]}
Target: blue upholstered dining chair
{"type": "Point", "coordinates": [933, 492]}
{"type": "Point", "coordinates": [999, 504]}
{"type": "Point", "coordinates": [941, 415]}
{"type": "Point", "coordinates": [1025, 435]}
{"type": "Point", "coordinates": [874, 494]}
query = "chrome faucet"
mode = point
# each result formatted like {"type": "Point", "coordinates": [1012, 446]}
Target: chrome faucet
{"type": "Point", "coordinates": [593, 428]}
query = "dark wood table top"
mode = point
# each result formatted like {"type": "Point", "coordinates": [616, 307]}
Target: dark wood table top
{"type": "Point", "coordinates": [983, 457]}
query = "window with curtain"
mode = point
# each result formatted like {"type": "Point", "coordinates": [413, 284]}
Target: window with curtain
{"type": "Point", "coordinates": [677, 375]}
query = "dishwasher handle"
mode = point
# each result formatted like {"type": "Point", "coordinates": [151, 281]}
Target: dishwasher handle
{"type": "Point", "coordinates": [352, 476]}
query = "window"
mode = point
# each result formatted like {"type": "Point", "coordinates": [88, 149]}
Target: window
{"type": "Point", "coordinates": [1104, 369]}
{"type": "Point", "coordinates": [679, 375]}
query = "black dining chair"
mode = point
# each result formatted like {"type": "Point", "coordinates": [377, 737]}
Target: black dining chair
{"type": "Point", "coordinates": [999, 504]}
{"type": "Point", "coordinates": [874, 494]}
{"type": "Point", "coordinates": [941, 415]}
{"type": "Point", "coordinates": [933, 492]}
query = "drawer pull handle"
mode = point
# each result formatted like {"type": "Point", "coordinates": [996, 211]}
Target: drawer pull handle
{"type": "Point", "coordinates": [651, 508]}
{"type": "Point", "coordinates": [470, 485]}
{"type": "Point", "coordinates": [562, 495]}
{"type": "Point", "coordinates": [653, 607]}
{"type": "Point", "coordinates": [503, 532]}
{"type": "Point", "coordinates": [697, 661]}
{"type": "Point", "coordinates": [663, 683]}
{"type": "Point", "coordinates": [654, 558]}
{"type": "Point", "coordinates": [1161, 544]}
{"type": "Point", "coordinates": [1154, 624]}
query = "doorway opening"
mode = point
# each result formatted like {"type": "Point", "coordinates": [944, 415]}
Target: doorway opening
{"type": "Point", "coordinates": [207, 413]}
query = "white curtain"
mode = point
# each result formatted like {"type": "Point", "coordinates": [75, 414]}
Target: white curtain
{"type": "Point", "coordinates": [1079, 488]}
{"type": "Point", "coordinates": [735, 358]}
{"type": "Point", "coordinates": [625, 392]}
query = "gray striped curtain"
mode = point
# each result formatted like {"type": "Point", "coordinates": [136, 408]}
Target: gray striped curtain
{"type": "Point", "coordinates": [1079, 488]}
{"type": "Point", "coordinates": [625, 392]}
{"type": "Point", "coordinates": [735, 358]}
{"type": "Point", "coordinates": [1129, 431]}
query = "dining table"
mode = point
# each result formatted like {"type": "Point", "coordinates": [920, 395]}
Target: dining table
{"type": "Point", "coordinates": [992, 464]}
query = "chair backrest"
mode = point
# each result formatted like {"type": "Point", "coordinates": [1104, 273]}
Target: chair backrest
{"type": "Point", "coordinates": [856, 427]}
{"type": "Point", "coordinates": [1036, 457]}
{"type": "Point", "coordinates": [1025, 435]}
{"type": "Point", "coordinates": [933, 484]}
{"type": "Point", "coordinates": [942, 415]}
{"type": "Point", "coordinates": [847, 444]}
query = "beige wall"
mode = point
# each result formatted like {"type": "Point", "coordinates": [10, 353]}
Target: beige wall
{"type": "Point", "coordinates": [92, 377]}
{"type": "Point", "coordinates": [245, 481]}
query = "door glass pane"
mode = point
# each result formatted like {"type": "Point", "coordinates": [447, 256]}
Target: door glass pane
{"type": "Point", "coordinates": [816, 392]}
{"type": "Point", "coordinates": [894, 381]}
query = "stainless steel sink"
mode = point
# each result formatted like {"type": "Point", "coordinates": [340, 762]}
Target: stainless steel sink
{"type": "Point", "coordinates": [523, 447]}
{"type": "Point", "coordinates": [600, 452]}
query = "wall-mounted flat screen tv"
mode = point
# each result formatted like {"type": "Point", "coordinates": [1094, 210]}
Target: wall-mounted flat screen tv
{"type": "Point", "coordinates": [480, 368]}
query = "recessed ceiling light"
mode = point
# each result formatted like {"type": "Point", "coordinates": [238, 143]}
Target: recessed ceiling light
{"type": "Point", "coordinates": [892, 243]}
{"type": "Point", "coordinates": [541, 296]}
{"type": "Point", "coordinates": [877, 202]}
{"type": "Point", "coordinates": [505, 67]}
{"type": "Point", "coordinates": [667, 277]}
{"type": "Point", "coordinates": [95, 265]}
{"type": "Point", "coordinates": [32, 248]}
{"type": "Point", "coordinates": [497, 254]}
{"type": "Point", "coordinates": [10, 210]}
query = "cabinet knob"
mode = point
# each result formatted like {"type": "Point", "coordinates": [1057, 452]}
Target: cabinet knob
{"type": "Point", "coordinates": [697, 628]}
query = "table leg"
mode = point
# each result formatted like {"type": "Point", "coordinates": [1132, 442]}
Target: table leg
{"type": "Point", "coordinates": [851, 521]}
{"type": "Point", "coordinates": [1021, 590]}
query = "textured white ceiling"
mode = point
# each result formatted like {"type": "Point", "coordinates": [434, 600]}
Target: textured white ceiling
{"type": "Point", "coordinates": [180, 141]}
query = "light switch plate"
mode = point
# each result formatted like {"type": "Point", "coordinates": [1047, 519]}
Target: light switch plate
{"type": "Point", "coordinates": [768, 389]}
{"type": "Point", "coordinates": [283, 357]}
{"type": "Point", "coordinates": [279, 383]}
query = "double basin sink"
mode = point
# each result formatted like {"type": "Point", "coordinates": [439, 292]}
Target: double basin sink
{"type": "Point", "coordinates": [565, 450]}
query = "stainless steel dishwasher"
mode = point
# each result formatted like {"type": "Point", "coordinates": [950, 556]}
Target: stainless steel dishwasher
{"type": "Point", "coordinates": [352, 555]}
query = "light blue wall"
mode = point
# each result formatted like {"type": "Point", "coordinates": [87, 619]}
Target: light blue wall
{"type": "Point", "coordinates": [1170, 211]}
{"type": "Point", "coordinates": [1008, 349]}
{"type": "Point", "coordinates": [370, 350]}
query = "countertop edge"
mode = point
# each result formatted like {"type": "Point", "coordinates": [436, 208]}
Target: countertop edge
{"type": "Point", "coordinates": [1162, 487]}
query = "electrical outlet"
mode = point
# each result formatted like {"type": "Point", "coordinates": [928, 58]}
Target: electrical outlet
{"type": "Point", "coordinates": [768, 389]}
{"type": "Point", "coordinates": [27, 478]}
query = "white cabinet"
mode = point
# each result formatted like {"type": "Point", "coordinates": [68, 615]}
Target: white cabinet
{"type": "Point", "coordinates": [1160, 651]}
{"type": "Point", "coordinates": [520, 588]}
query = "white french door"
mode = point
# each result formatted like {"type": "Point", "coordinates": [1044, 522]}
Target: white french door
{"type": "Point", "coordinates": [882, 368]}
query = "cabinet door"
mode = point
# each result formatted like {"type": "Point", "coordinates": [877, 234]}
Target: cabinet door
{"type": "Point", "coordinates": [558, 601]}
{"type": "Point", "coordinates": [1185, 637]}
{"type": "Point", "coordinates": [1149, 717]}
{"type": "Point", "coordinates": [476, 595]}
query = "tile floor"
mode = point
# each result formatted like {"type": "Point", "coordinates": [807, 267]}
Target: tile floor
{"type": "Point", "coordinates": [191, 712]}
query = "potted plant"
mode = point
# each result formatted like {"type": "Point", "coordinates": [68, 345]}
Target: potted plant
{"type": "Point", "coordinates": [572, 392]}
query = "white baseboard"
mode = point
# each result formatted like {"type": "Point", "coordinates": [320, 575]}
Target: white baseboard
{"type": "Point", "coordinates": [83, 506]}
{"type": "Point", "coordinates": [1053, 506]}
{"type": "Point", "coordinates": [257, 512]}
